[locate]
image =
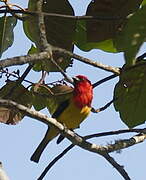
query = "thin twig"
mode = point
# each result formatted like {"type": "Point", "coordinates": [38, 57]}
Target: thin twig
{"type": "Point", "coordinates": [139, 58]}
{"type": "Point", "coordinates": [67, 78]}
{"type": "Point", "coordinates": [26, 72]}
{"type": "Point", "coordinates": [102, 108]}
{"type": "Point", "coordinates": [43, 56]}
{"type": "Point", "coordinates": [19, 81]}
{"type": "Point", "coordinates": [54, 161]}
{"type": "Point", "coordinates": [14, 75]}
{"type": "Point", "coordinates": [114, 70]}
{"type": "Point", "coordinates": [108, 18]}
{"type": "Point", "coordinates": [111, 133]}
{"type": "Point", "coordinates": [117, 166]}
{"type": "Point", "coordinates": [104, 80]}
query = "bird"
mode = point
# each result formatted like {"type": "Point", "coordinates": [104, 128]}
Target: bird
{"type": "Point", "coordinates": [70, 112]}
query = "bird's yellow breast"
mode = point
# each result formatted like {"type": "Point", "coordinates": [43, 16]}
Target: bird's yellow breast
{"type": "Point", "coordinates": [72, 116]}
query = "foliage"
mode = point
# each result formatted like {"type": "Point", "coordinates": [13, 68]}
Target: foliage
{"type": "Point", "coordinates": [17, 93]}
{"type": "Point", "coordinates": [114, 29]}
{"type": "Point", "coordinates": [133, 35]}
{"type": "Point", "coordinates": [130, 95]}
{"type": "Point", "coordinates": [56, 34]}
{"type": "Point", "coordinates": [7, 24]}
{"type": "Point", "coordinates": [111, 26]}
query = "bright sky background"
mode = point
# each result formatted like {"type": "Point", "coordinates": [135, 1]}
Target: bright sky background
{"type": "Point", "coordinates": [19, 142]}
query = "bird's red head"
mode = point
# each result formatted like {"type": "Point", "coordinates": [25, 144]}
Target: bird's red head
{"type": "Point", "coordinates": [83, 91]}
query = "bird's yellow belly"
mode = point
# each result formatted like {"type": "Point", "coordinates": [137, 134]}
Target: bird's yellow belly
{"type": "Point", "coordinates": [73, 116]}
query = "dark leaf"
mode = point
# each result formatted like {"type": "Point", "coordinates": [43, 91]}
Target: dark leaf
{"type": "Point", "coordinates": [132, 36]}
{"type": "Point", "coordinates": [100, 33]}
{"type": "Point", "coordinates": [7, 24]}
{"type": "Point", "coordinates": [59, 31]}
{"type": "Point", "coordinates": [81, 41]}
{"type": "Point", "coordinates": [130, 93]}
{"type": "Point", "coordinates": [17, 93]}
{"type": "Point", "coordinates": [107, 29]}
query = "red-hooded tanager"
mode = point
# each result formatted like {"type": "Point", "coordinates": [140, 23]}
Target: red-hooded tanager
{"type": "Point", "coordinates": [71, 112]}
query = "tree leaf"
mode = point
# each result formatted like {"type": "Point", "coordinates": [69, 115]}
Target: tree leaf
{"type": "Point", "coordinates": [130, 95]}
{"type": "Point", "coordinates": [143, 2]}
{"type": "Point", "coordinates": [81, 41]}
{"type": "Point", "coordinates": [56, 32]}
{"type": "Point", "coordinates": [7, 24]}
{"type": "Point", "coordinates": [17, 93]}
{"type": "Point", "coordinates": [37, 66]}
{"type": "Point", "coordinates": [40, 93]}
{"type": "Point", "coordinates": [100, 33]}
{"type": "Point", "coordinates": [50, 97]}
{"type": "Point", "coordinates": [132, 36]}
{"type": "Point", "coordinates": [107, 29]}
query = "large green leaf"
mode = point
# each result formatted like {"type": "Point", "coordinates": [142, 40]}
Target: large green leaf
{"type": "Point", "coordinates": [130, 95]}
{"type": "Point", "coordinates": [7, 24]}
{"type": "Point", "coordinates": [59, 31]}
{"type": "Point", "coordinates": [81, 41]}
{"type": "Point", "coordinates": [100, 33]}
{"type": "Point", "coordinates": [132, 36]}
{"type": "Point", "coordinates": [105, 28]}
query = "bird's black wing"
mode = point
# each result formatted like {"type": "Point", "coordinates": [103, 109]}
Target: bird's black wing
{"type": "Point", "coordinates": [60, 109]}
{"type": "Point", "coordinates": [57, 113]}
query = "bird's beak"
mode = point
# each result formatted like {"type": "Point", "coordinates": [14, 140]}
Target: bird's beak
{"type": "Point", "coordinates": [75, 79]}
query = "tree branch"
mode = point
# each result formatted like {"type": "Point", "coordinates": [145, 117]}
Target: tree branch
{"type": "Point", "coordinates": [54, 161]}
{"type": "Point", "coordinates": [109, 133]}
{"type": "Point", "coordinates": [67, 78]}
{"type": "Point", "coordinates": [114, 70]}
{"type": "Point", "coordinates": [74, 138]}
{"type": "Point", "coordinates": [19, 81]}
{"type": "Point", "coordinates": [43, 44]}
{"type": "Point", "coordinates": [20, 60]}
{"type": "Point", "coordinates": [108, 18]}
{"type": "Point", "coordinates": [112, 161]}
{"type": "Point", "coordinates": [42, 56]}
{"type": "Point", "coordinates": [104, 80]}
{"type": "Point", "coordinates": [102, 108]}
{"type": "Point", "coordinates": [117, 166]}
{"type": "Point", "coordinates": [125, 143]}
